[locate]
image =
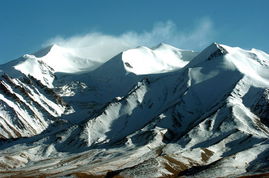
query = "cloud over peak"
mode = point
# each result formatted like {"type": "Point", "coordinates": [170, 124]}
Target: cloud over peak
{"type": "Point", "coordinates": [101, 47]}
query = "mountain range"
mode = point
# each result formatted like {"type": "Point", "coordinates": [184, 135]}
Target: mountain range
{"type": "Point", "coordinates": [146, 112]}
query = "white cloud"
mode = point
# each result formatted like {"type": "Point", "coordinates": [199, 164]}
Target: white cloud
{"type": "Point", "coordinates": [101, 47]}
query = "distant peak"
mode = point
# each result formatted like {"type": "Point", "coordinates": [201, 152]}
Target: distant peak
{"type": "Point", "coordinates": [220, 50]}
{"type": "Point", "coordinates": [215, 50]}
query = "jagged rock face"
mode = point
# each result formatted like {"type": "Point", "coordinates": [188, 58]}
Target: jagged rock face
{"type": "Point", "coordinates": [27, 107]}
{"type": "Point", "coordinates": [139, 114]}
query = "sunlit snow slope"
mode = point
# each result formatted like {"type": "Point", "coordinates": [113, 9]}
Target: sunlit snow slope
{"type": "Point", "coordinates": [163, 58]}
{"type": "Point", "coordinates": [144, 113]}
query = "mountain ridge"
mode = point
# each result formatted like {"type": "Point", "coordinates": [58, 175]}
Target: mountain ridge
{"type": "Point", "coordinates": [204, 116]}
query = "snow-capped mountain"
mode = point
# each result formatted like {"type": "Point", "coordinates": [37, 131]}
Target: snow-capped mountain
{"type": "Point", "coordinates": [144, 113]}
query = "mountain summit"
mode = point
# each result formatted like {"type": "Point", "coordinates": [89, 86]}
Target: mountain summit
{"type": "Point", "coordinates": [146, 112]}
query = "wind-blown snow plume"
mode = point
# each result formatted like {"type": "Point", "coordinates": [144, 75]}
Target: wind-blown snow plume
{"type": "Point", "coordinates": [101, 47]}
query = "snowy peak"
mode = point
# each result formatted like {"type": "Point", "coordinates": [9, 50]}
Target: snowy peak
{"type": "Point", "coordinates": [251, 63]}
{"type": "Point", "coordinates": [213, 51]}
{"type": "Point", "coordinates": [43, 64]}
{"type": "Point", "coordinates": [217, 50]}
{"type": "Point", "coordinates": [66, 60]}
{"type": "Point", "coordinates": [163, 58]}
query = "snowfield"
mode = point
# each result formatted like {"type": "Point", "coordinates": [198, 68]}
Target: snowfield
{"type": "Point", "coordinates": [146, 112]}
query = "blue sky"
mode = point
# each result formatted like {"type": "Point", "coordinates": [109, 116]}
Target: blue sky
{"type": "Point", "coordinates": [28, 25]}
